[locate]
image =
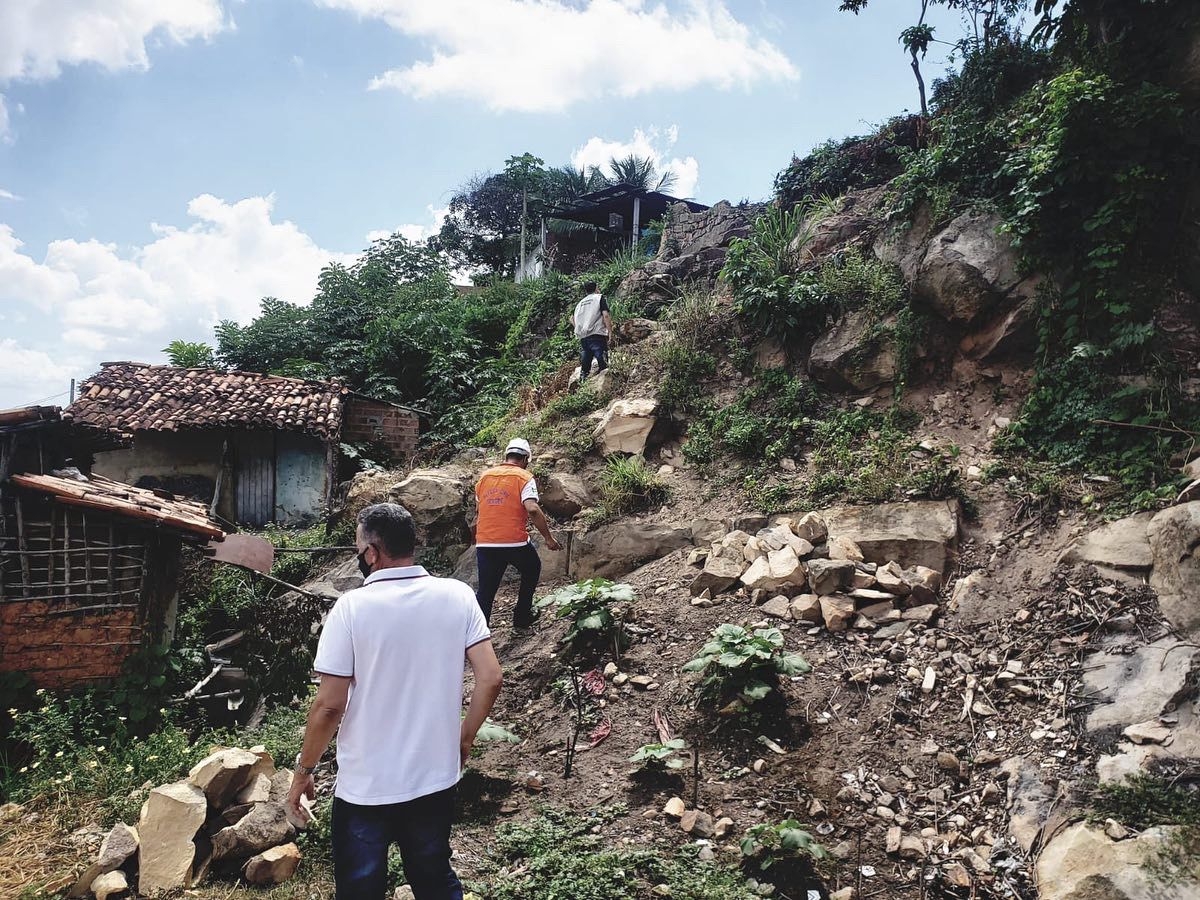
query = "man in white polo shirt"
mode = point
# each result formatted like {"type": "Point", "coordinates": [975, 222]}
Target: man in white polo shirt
{"type": "Point", "coordinates": [390, 658]}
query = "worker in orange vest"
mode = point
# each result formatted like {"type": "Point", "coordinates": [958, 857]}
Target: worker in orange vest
{"type": "Point", "coordinates": [508, 501]}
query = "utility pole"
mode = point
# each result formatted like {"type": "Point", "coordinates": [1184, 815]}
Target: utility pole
{"type": "Point", "coordinates": [72, 391]}
{"type": "Point", "coordinates": [524, 213]}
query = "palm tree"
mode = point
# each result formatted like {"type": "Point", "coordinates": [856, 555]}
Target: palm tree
{"type": "Point", "coordinates": [640, 171]}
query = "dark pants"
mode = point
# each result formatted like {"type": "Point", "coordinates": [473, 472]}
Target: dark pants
{"type": "Point", "coordinates": [594, 347]}
{"type": "Point", "coordinates": [421, 829]}
{"type": "Point", "coordinates": [493, 562]}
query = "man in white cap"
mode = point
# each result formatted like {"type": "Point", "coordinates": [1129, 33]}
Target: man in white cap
{"type": "Point", "coordinates": [508, 501]}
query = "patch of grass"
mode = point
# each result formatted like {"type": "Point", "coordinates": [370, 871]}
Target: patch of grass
{"type": "Point", "coordinates": [557, 856]}
{"type": "Point", "coordinates": [626, 486]}
{"type": "Point", "coordinates": [1145, 801]}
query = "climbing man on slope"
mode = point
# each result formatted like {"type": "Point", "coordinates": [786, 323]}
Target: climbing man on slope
{"type": "Point", "coordinates": [508, 501]}
{"type": "Point", "coordinates": [593, 326]}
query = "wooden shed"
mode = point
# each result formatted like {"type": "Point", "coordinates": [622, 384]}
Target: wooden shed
{"type": "Point", "coordinates": [88, 566]}
{"type": "Point", "coordinates": [255, 448]}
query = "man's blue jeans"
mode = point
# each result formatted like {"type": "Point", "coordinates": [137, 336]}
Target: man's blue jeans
{"type": "Point", "coordinates": [493, 563]}
{"type": "Point", "coordinates": [595, 347]}
{"type": "Point", "coordinates": [421, 829]}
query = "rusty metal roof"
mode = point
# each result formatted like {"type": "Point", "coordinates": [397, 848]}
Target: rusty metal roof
{"type": "Point", "coordinates": [157, 508]}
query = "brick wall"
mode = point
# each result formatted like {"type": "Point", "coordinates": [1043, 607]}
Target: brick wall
{"type": "Point", "coordinates": [366, 421]}
{"type": "Point", "coordinates": [60, 651]}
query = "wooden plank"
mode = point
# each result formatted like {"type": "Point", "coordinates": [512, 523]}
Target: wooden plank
{"type": "Point", "coordinates": [50, 558]}
{"type": "Point", "coordinates": [21, 545]}
{"type": "Point", "coordinates": [67, 542]}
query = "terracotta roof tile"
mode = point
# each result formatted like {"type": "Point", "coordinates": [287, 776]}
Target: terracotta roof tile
{"type": "Point", "coordinates": [131, 397]}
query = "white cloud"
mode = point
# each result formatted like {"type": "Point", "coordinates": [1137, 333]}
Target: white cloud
{"type": "Point", "coordinates": [8, 195]}
{"type": "Point", "coordinates": [545, 55]}
{"type": "Point", "coordinates": [414, 232]}
{"type": "Point", "coordinates": [5, 123]}
{"type": "Point", "coordinates": [39, 37]}
{"type": "Point", "coordinates": [652, 144]}
{"type": "Point", "coordinates": [28, 376]}
{"type": "Point", "coordinates": [100, 303]}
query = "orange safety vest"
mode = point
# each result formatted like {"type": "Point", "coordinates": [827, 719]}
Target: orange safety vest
{"type": "Point", "coordinates": [503, 521]}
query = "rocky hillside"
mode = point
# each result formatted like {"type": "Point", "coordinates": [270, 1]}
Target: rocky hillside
{"type": "Point", "coordinates": [982, 663]}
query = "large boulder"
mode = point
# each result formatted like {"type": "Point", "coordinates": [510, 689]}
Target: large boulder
{"type": "Point", "coordinates": [223, 774]}
{"type": "Point", "coordinates": [366, 488]}
{"type": "Point", "coordinates": [1175, 546]}
{"type": "Point", "coordinates": [563, 494]}
{"type": "Point", "coordinates": [265, 826]}
{"type": "Point", "coordinates": [170, 818]}
{"type": "Point", "coordinates": [612, 551]}
{"type": "Point", "coordinates": [625, 426]}
{"type": "Point", "coordinates": [438, 500]}
{"type": "Point", "coordinates": [1083, 863]}
{"type": "Point", "coordinates": [920, 533]}
{"type": "Point", "coordinates": [856, 219]}
{"type": "Point", "coordinates": [852, 355]}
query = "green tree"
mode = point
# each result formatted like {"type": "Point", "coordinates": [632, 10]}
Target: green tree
{"type": "Point", "coordinates": [277, 337]}
{"type": "Point", "coordinates": [639, 171]}
{"type": "Point", "coordinates": [525, 172]}
{"type": "Point", "coordinates": [190, 354]}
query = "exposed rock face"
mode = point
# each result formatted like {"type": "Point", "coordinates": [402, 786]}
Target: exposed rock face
{"type": "Point", "coordinates": [264, 827]}
{"type": "Point", "coordinates": [625, 426]}
{"type": "Point", "coordinates": [437, 499]}
{"type": "Point", "coordinates": [1082, 863]}
{"type": "Point", "coordinates": [612, 551]}
{"type": "Point", "coordinates": [1175, 545]}
{"type": "Point", "coordinates": [969, 274]}
{"type": "Point", "coordinates": [847, 358]}
{"type": "Point", "coordinates": [273, 866]}
{"type": "Point", "coordinates": [857, 219]}
{"type": "Point", "coordinates": [563, 495]}
{"type": "Point", "coordinates": [921, 533]}
{"type": "Point", "coordinates": [170, 818]}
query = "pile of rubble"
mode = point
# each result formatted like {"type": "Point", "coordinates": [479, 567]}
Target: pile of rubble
{"type": "Point", "coordinates": [228, 814]}
{"type": "Point", "coordinates": [794, 569]}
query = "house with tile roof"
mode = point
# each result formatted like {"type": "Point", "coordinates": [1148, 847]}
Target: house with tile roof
{"type": "Point", "coordinates": [255, 448]}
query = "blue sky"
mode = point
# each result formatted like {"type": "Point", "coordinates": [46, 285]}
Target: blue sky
{"type": "Point", "coordinates": [163, 166]}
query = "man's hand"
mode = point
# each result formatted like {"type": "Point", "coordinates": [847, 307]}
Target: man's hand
{"type": "Point", "coordinates": [466, 741]}
{"type": "Point", "coordinates": [552, 544]}
{"type": "Point", "coordinates": [302, 786]}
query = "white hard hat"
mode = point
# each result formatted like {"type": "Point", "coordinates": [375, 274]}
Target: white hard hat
{"type": "Point", "coordinates": [518, 445]}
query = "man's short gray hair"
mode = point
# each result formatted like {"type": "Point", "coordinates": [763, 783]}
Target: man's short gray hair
{"type": "Point", "coordinates": [390, 527]}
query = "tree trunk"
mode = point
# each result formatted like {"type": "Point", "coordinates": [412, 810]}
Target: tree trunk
{"type": "Point", "coordinates": [916, 67]}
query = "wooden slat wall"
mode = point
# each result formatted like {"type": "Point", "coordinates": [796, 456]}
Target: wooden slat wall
{"type": "Point", "coordinates": [255, 477]}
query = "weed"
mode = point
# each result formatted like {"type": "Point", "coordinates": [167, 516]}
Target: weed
{"type": "Point", "coordinates": [741, 668]}
{"type": "Point", "coordinates": [1145, 801]}
{"type": "Point", "coordinates": [662, 756]}
{"type": "Point", "coordinates": [766, 844]}
{"type": "Point", "coordinates": [595, 610]}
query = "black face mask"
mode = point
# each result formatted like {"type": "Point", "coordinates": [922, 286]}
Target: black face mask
{"type": "Point", "coordinates": [363, 565]}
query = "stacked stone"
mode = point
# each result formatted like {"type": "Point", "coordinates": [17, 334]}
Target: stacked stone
{"type": "Point", "coordinates": [796, 570]}
{"type": "Point", "coordinates": [228, 813]}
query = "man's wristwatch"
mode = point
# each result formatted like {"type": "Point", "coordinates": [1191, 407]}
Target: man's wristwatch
{"type": "Point", "coordinates": [304, 770]}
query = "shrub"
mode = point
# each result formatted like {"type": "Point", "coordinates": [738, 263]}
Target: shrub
{"type": "Point", "coordinates": [662, 756]}
{"type": "Point", "coordinates": [591, 606]}
{"type": "Point", "coordinates": [741, 668]}
{"type": "Point", "coordinates": [835, 167]}
{"type": "Point", "coordinates": [766, 844]}
{"type": "Point", "coordinates": [762, 268]}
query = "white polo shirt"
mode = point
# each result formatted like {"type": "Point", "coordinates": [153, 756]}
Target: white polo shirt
{"type": "Point", "coordinates": [402, 637]}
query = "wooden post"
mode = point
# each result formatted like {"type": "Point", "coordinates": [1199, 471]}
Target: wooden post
{"type": "Point", "coordinates": [637, 221]}
{"type": "Point", "coordinates": [22, 546]}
